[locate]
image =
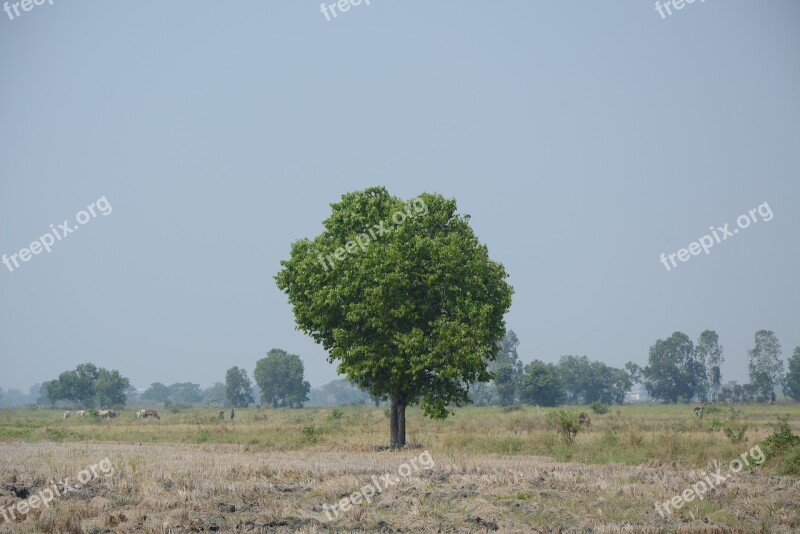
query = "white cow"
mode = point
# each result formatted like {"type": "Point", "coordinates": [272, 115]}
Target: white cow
{"type": "Point", "coordinates": [81, 413]}
{"type": "Point", "coordinates": [67, 414]}
{"type": "Point", "coordinates": [140, 413]}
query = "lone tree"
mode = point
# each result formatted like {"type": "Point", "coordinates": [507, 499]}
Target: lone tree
{"type": "Point", "coordinates": [413, 308]}
{"type": "Point", "coordinates": [89, 386]}
{"type": "Point", "coordinates": [765, 367]}
{"type": "Point", "coordinates": [280, 378]}
{"type": "Point", "coordinates": [709, 351]}
{"type": "Point", "coordinates": [237, 388]}
{"type": "Point", "coordinates": [507, 369]}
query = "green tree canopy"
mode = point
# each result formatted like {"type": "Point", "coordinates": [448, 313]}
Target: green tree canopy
{"type": "Point", "coordinates": [766, 366]}
{"type": "Point", "coordinates": [541, 385]}
{"type": "Point", "coordinates": [111, 388]}
{"type": "Point", "coordinates": [791, 385]}
{"type": "Point", "coordinates": [177, 393]}
{"type": "Point", "coordinates": [709, 351]}
{"type": "Point", "coordinates": [280, 378]}
{"type": "Point", "coordinates": [89, 387]}
{"type": "Point", "coordinates": [674, 371]}
{"type": "Point", "coordinates": [507, 369]}
{"type": "Point", "coordinates": [237, 388]}
{"type": "Point", "coordinates": [157, 392]}
{"type": "Point", "coordinates": [588, 381]}
{"type": "Point", "coordinates": [413, 315]}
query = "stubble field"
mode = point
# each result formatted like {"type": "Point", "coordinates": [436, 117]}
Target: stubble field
{"type": "Point", "coordinates": [491, 470]}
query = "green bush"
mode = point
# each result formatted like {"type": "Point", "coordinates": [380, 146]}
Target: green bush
{"type": "Point", "coordinates": [310, 433]}
{"type": "Point", "coordinates": [791, 462]}
{"type": "Point", "coordinates": [782, 438]}
{"type": "Point", "coordinates": [599, 408]}
{"type": "Point", "coordinates": [565, 423]}
{"type": "Point", "coordinates": [735, 433]}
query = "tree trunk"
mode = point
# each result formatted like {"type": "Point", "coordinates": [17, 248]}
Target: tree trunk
{"type": "Point", "coordinates": [397, 423]}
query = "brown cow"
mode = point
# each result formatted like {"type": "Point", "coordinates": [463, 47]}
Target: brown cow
{"type": "Point", "coordinates": [151, 413]}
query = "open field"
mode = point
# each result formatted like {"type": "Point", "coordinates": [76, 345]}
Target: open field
{"type": "Point", "coordinates": [272, 470]}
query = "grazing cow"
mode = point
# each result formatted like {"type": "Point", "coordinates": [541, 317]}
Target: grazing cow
{"type": "Point", "coordinates": [151, 413]}
{"type": "Point", "coordinates": [698, 411]}
{"type": "Point", "coordinates": [584, 419]}
{"type": "Point", "coordinates": [81, 413]}
{"type": "Point", "coordinates": [107, 414]}
{"type": "Point", "coordinates": [140, 414]}
{"type": "Point", "coordinates": [66, 415]}
{"type": "Point", "coordinates": [221, 415]}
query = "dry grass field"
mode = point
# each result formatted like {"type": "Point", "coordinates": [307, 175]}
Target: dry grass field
{"type": "Point", "coordinates": [494, 471]}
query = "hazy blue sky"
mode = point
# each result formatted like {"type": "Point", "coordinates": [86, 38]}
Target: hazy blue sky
{"type": "Point", "coordinates": [584, 139]}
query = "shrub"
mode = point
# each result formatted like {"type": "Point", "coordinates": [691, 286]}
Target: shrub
{"type": "Point", "coordinates": [310, 433]}
{"type": "Point", "coordinates": [599, 408]}
{"type": "Point", "coordinates": [791, 462]}
{"type": "Point", "coordinates": [565, 424]}
{"type": "Point", "coordinates": [336, 414]}
{"type": "Point", "coordinates": [782, 438]}
{"type": "Point", "coordinates": [734, 432]}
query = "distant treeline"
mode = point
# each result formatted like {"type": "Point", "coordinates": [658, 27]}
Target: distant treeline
{"type": "Point", "coordinates": [678, 370]}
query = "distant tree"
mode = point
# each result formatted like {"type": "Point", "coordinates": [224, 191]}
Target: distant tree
{"type": "Point", "coordinates": [737, 393]}
{"type": "Point", "coordinates": [177, 393]}
{"type": "Point", "coordinates": [415, 314]}
{"type": "Point", "coordinates": [280, 378]}
{"type": "Point", "coordinates": [586, 381]}
{"type": "Point", "coordinates": [339, 392]}
{"type": "Point", "coordinates": [157, 392]}
{"type": "Point", "coordinates": [14, 398]}
{"type": "Point", "coordinates": [540, 384]}
{"type": "Point", "coordinates": [791, 385]}
{"type": "Point", "coordinates": [484, 394]}
{"type": "Point", "coordinates": [766, 366]}
{"type": "Point", "coordinates": [111, 388]}
{"type": "Point", "coordinates": [237, 388]}
{"type": "Point", "coordinates": [635, 373]}
{"type": "Point", "coordinates": [575, 374]}
{"type": "Point", "coordinates": [607, 384]}
{"type": "Point", "coordinates": [674, 371]}
{"type": "Point", "coordinates": [89, 387]}
{"type": "Point", "coordinates": [709, 351]}
{"type": "Point", "coordinates": [77, 386]}
{"type": "Point", "coordinates": [507, 369]}
{"type": "Point", "coordinates": [185, 393]}
{"type": "Point", "coordinates": [43, 398]}
{"type": "Point", "coordinates": [216, 394]}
